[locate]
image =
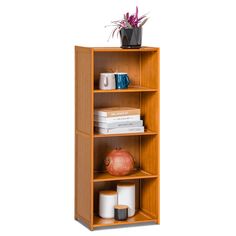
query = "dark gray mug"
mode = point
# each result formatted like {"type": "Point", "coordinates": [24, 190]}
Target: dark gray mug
{"type": "Point", "coordinates": [122, 80]}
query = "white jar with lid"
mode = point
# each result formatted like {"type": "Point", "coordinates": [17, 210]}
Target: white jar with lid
{"type": "Point", "coordinates": [126, 196]}
{"type": "Point", "coordinates": [107, 201]}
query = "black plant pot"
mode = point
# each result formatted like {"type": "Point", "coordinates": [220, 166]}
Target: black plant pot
{"type": "Point", "coordinates": [131, 38]}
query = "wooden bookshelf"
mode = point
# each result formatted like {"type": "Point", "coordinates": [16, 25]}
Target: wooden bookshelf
{"type": "Point", "coordinates": [142, 66]}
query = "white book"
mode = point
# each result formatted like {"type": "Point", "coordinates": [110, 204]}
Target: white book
{"type": "Point", "coordinates": [120, 130]}
{"type": "Point", "coordinates": [116, 118]}
{"type": "Point", "coordinates": [119, 124]}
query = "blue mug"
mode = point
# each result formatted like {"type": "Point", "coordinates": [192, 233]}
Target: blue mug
{"type": "Point", "coordinates": [122, 80]}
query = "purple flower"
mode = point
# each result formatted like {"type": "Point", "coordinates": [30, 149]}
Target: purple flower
{"type": "Point", "coordinates": [129, 22]}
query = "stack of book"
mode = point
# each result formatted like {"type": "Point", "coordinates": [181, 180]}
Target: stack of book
{"type": "Point", "coordinates": [118, 120]}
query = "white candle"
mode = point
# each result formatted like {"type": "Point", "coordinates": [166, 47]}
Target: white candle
{"type": "Point", "coordinates": [107, 201]}
{"type": "Point", "coordinates": [126, 196]}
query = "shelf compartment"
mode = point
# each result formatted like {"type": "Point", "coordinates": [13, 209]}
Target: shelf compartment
{"type": "Point", "coordinates": [139, 217]}
{"type": "Point", "coordinates": [140, 65]}
{"type": "Point", "coordinates": [131, 89]}
{"type": "Point", "coordinates": [146, 132]}
{"type": "Point", "coordinates": [146, 202]}
{"type": "Point", "coordinates": [142, 148]}
{"type": "Point", "coordinates": [138, 174]}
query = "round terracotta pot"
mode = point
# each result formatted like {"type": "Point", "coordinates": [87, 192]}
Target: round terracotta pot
{"type": "Point", "coordinates": [119, 162]}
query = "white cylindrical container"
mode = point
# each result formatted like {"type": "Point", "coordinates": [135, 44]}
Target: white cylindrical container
{"type": "Point", "coordinates": [126, 196]}
{"type": "Point", "coordinates": [107, 201]}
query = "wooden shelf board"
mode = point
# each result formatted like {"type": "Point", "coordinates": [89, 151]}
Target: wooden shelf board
{"type": "Point", "coordinates": [128, 90]}
{"type": "Point", "coordinates": [117, 49]}
{"type": "Point", "coordinates": [139, 217]}
{"type": "Point", "coordinates": [146, 132]}
{"type": "Point", "coordinates": [138, 174]}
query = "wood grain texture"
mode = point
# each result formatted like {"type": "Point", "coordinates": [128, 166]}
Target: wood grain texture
{"type": "Point", "coordinates": [146, 132]}
{"type": "Point", "coordinates": [139, 217]}
{"type": "Point", "coordinates": [119, 61]}
{"type": "Point", "coordinates": [150, 69]}
{"type": "Point", "coordinates": [150, 145]}
{"type": "Point", "coordinates": [131, 89]}
{"type": "Point", "coordinates": [103, 146]}
{"type": "Point", "coordinates": [83, 175]}
{"type": "Point", "coordinates": [135, 174]}
{"type": "Point", "coordinates": [111, 185]}
{"type": "Point", "coordinates": [83, 99]}
{"type": "Point", "coordinates": [149, 154]}
{"type": "Point", "coordinates": [143, 68]}
{"type": "Point", "coordinates": [150, 110]}
{"type": "Point", "coordinates": [84, 136]}
{"type": "Point", "coordinates": [115, 49]}
{"type": "Point", "coordinates": [149, 201]}
{"type": "Point", "coordinates": [116, 100]}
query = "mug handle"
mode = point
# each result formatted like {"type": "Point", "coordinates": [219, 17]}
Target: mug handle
{"type": "Point", "coordinates": [105, 82]}
{"type": "Point", "coordinates": [127, 80]}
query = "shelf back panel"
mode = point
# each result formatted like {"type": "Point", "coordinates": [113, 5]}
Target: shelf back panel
{"type": "Point", "coordinates": [128, 62]}
{"type": "Point", "coordinates": [112, 186]}
{"type": "Point", "coordinates": [117, 100]}
{"type": "Point", "coordinates": [103, 146]}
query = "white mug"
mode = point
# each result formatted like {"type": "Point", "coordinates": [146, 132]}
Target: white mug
{"type": "Point", "coordinates": [107, 81]}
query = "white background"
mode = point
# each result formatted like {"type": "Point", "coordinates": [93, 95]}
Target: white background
{"type": "Point", "coordinates": [198, 112]}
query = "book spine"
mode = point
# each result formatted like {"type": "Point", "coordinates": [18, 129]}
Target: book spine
{"type": "Point", "coordinates": [120, 130]}
{"type": "Point", "coordinates": [117, 113]}
{"type": "Point", "coordinates": [117, 118]}
{"type": "Point", "coordinates": [119, 124]}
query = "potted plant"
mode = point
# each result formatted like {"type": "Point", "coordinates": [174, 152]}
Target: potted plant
{"type": "Point", "coordinates": [130, 29]}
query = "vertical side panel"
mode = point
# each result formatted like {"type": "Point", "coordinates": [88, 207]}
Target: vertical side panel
{"type": "Point", "coordinates": [83, 135]}
{"type": "Point", "coordinates": [82, 182]}
{"type": "Point", "coordinates": [84, 90]}
{"type": "Point", "coordinates": [150, 148]}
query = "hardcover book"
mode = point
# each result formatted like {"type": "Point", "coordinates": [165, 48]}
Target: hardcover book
{"type": "Point", "coordinates": [120, 124]}
{"type": "Point", "coordinates": [117, 118]}
{"type": "Point", "coordinates": [116, 111]}
{"type": "Point", "coordinates": [119, 130]}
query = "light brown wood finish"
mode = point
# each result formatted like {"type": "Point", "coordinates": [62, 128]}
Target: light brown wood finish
{"type": "Point", "coordinates": [84, 136]}
{"type": "Point", "coordinates": [111, 185]}
{"type": "Point", "coordinates": [120, 61]}
{"type": "Point", "coordinates": [115, 49]}
{"type": "Point", "coordinates": [131, 89]}
{"type": "Point", "coordinates": [142, 66]}
{"type": "Point", "coordinates": [139, 217]}
{"type": "Point", "coordinates": [108, 192]}
{"type": "Point", "coordinates": [116, 100]}
{"type": "Point", "coordinates": [103, 146]}
{"type": "Point", "coordinates": [146, 132]}
{"type": "Point", "coordinates": [136, 174]}
{"type": "Point", "coordinates": [120, 207]}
